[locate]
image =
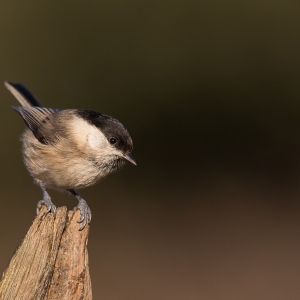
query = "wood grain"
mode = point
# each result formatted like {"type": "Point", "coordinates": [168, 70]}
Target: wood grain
{"type": "Point", "coordinates": [51, 261]}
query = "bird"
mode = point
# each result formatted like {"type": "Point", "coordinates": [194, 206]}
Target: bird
{"type": "Point", "coordinates": [69, 149]}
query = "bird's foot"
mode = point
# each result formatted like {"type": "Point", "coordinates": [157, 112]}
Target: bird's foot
{"type": "Point", "coordinates": [50, 206]}
{"type": "Point", "coordinates": [85, 212]}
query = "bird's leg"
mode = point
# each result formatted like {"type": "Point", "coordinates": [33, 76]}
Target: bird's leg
{"type": "Point", "coordinates": [86, 214]}
{"type": "Point", "coordinates": [46, 201]}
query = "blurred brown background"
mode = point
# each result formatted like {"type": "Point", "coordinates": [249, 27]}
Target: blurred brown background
{"type": "Point", "coordinates": [210, 93]}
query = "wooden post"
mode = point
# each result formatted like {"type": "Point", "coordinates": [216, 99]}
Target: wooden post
{"type": "Point", "coordinates": [51, 262]}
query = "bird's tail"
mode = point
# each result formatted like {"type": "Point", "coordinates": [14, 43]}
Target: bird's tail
{"type": "Point", "coordinates": [23, 95]}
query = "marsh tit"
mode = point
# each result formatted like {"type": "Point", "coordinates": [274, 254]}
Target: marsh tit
{"type": "Point", "coordinates": [69, 149]}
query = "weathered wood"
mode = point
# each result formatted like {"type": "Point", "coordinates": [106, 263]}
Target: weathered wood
{"type": "Point", "coordinates": [71, 274]}
{"type": "Point", "coordinates": [51, 262]}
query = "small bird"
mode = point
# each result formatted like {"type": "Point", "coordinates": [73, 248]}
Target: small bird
{"type": "Point", "coordinates": [69, 149]}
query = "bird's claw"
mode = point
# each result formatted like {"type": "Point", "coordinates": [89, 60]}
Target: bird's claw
{"type": "Point", "coordinates": [85, 213]}
{"type": "Point", "coordinates": [50, 206]}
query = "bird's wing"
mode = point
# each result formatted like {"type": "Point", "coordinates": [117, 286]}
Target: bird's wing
{"type": "Point", "coordinates": [23, 95]}
{"type": "Point", "coordinates": [41, 121]}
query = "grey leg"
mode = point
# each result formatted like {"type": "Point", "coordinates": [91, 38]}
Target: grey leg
{"type": "Point", "coordinates": [86, 214]}
{"type": "Point", "coordinates": [46, 201]}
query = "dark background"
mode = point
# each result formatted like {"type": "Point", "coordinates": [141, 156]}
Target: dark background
{"type": "Point", "coordinates": [209, 91]}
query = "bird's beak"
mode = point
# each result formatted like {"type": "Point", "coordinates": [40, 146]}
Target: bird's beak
{"type": "Point", "coordinates": [130, 158]}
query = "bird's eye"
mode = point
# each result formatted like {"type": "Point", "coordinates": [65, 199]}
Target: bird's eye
{"type": "Point", "coordinates": [112, 140]}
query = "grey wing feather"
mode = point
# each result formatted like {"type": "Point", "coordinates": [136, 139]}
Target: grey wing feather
{"type": "Point", "coordinates": [41, 122]}
{"type": "Point", "coordinates": [23, 95]}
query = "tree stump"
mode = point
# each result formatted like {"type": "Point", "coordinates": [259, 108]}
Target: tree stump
{"type": "Point", "coordinates": [51, 261]}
